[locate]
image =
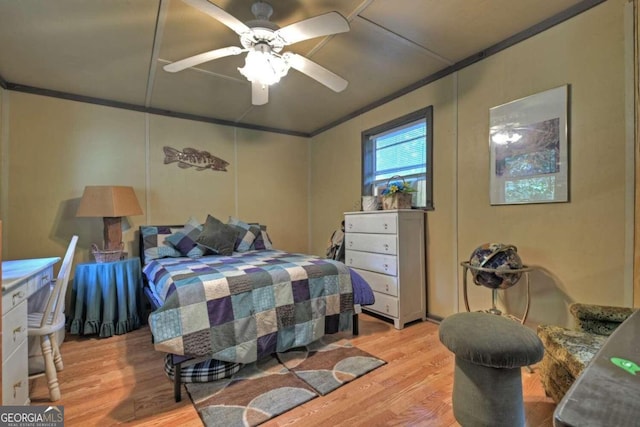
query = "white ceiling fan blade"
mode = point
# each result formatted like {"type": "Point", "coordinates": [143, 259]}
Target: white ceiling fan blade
{"type": "Point", "coordinates": [315, 71]}
{"type": "Point", "coordinates": [192, 61]}
{"type": "Point", "coordinates": [220, 14]}
{"type": "Point", "coordinates": [259, 93]}
{"type": "Point", "coordinates": [321, 25]}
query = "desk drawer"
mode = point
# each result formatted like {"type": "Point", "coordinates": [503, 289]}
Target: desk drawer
{"type": "Point", "coordinates": [380, 282]}
{"type": "Point", "coordinates": [385, 264]}
{"type": "Point", "coordinates": [384, 304]}
{"type": "Point", "coordinates": [367, 223]}
{"type": "Point", "coordinates": [40, 280]}
{"type": "Point", "coordinates": [26, 288]}
{"type": "Point", "coordinates": [13, 298]}
{"type": "Point", "coordinates": [14, 329]}
{"type": "Point", "coordinates": [15, 381]}
{"type": "Point", "coordinates": [378, 243]}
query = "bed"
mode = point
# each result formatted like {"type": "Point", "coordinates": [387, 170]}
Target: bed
{"type": "Point", "coordinates": [237, 307]}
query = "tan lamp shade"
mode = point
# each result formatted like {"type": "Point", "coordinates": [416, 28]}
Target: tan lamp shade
{"type": "Point", "coordinates": [112, 203]}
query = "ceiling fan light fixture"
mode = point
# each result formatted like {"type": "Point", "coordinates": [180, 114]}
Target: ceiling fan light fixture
{"type": "Point", "coordinates": [262, 66]}
{"type": "Point", "coordinates": [263, 40]}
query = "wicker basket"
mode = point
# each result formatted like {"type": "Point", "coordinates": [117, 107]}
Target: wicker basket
{"type": "Point", "coordinates": [397, 200]}
{"type": "Point", "coordinates": [106, 256]}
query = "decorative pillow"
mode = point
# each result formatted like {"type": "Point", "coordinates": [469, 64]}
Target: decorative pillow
{"type": "Point", "coordinates": [154, 245]}
{"type": "Point", "coordinates": [185, 240]}
{"type": "Point", "coordinates": [262, 240]}
{"type": "Point", "coordinates": [247, 233]}
{"type": "Point", "coordinates": [217, 236]}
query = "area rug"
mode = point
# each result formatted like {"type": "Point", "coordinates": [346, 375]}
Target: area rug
{"type": "Point", "coordinates": [270, 387]}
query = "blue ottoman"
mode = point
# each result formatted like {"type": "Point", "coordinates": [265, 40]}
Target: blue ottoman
{"type": "Point", "coordinates": [490, 351]}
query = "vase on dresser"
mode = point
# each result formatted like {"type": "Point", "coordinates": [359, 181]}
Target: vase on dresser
{"type": "Point", "coordinates": [387, 248]}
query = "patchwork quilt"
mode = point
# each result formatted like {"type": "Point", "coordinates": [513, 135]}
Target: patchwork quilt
{"type": "Point", "coordinates": [245, 306]}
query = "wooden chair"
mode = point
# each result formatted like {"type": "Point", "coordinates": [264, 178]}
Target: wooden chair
{"type": "Point", "coordinates": [46, 323]}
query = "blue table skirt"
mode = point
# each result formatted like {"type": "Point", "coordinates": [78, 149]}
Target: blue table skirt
{"type": "Point", "coordinates": [106, 298]}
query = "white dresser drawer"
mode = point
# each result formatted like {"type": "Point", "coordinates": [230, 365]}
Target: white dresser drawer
{"type": "Point", "coordinates": [364, 223]}
{"type": "Point", "coordinates": [14, 329]}
{"type": "Point", "coordinates": [380, 282]}
{"type": "Point", "coordinates": [13, 298]}
{"type": "Point", "coordinates": [378, 243]}
{"type": "Point", "coordinates": [15, 382]}
{"type": "Point", "coordinates": [384, 304]}
{"type": "Point", "coordinates": [385, 264]}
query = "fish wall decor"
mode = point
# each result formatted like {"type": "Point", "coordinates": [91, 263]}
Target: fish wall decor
{"type": "Point", "coordinates": [192, 158]}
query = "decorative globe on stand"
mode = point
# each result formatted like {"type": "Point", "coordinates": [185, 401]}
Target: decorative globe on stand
{"type": "Point", "coordinates": [500, 258]}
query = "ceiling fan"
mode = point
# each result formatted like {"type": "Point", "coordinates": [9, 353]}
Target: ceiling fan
{"type": "Point", "coordinates": [264, 40]}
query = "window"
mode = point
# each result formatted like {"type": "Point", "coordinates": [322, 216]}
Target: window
{"type": "Point", "coordinates": [402, 147]}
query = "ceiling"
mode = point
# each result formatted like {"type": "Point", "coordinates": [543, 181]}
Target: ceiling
{"type": "Point", "coordinates": [112, 52]}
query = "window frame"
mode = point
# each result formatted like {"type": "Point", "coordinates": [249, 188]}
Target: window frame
{"type": "Point", "coordinates": [367, 155]}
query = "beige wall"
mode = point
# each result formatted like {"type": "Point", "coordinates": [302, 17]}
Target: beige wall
{"type": "Point", "coordinates": [174, 193]}
{"type": "Point", "coordinates": [336, 182]}
{"type": "Point", "coordinates": [56, 147]}
{"type": "Point", "coordinates": [273, 186]}
{"type": "Point", "coordinates": [579, 246]}
{"type": "Point", "coordinates": [52, 148]}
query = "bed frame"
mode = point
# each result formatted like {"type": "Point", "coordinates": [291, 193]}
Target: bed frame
{"type": "Point", "coordinates": [176, 360]}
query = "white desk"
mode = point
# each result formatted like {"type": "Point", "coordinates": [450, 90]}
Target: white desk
{"type": "Point", "coordinates": [20, 279]}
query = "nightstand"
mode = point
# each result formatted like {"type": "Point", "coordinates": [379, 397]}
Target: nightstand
{"type": "Point", "coordinates": [106, 298]}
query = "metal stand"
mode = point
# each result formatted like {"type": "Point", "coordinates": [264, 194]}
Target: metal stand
{"type": "Point", "coordinates": [494, 292]}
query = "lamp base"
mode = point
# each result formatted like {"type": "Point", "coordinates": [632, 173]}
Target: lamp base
{"type": "Point", "coordinates": [112, 233]}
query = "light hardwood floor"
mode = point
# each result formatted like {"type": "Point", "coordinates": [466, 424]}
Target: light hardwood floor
{"type": "Point", "coordinates": [120, 380]}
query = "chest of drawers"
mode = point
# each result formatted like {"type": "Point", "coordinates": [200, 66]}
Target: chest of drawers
{"type": "Point", "coordinates": [387, 249]}
{"type": "Point", "coordinates": [20, 280]}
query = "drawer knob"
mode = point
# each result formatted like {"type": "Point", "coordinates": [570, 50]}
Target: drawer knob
{"type": "Point", "coordinates": [387, 307]}
{"type": "Point", "coordinates": [350, 243]}
{"type": "Point", "coordinates": [386, 226]}
{"type": "Point", "coordinates": [386, 267]}
{"type": "Point", "coordinates": [16, 386]}
{"type": "Point", "coordinates": [386, 288]}
{"type": "Point", "coordinates": [16, 331]}
{"type": "Point", "coordinates": [386, 246]}
{"type": "Point", "coordinates": [350, 226]}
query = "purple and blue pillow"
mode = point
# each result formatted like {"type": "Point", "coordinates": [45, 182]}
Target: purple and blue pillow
{"type": "Point", "coordinates": [247, 234]}
{"type": "Point", "coordinates": [184, 240]}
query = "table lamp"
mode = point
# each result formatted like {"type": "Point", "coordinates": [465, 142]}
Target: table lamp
{"type": "Point", "coordinates": [111, 203]}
